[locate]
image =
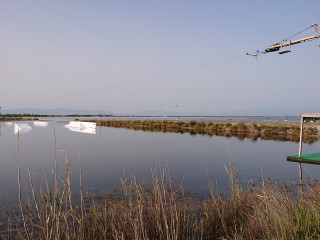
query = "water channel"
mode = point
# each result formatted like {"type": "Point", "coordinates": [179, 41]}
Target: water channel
{"type": "Point", "coordinates": [107, 152]}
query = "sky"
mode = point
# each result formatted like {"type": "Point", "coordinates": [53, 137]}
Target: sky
{"type": "Point", "coordinates": [134, 56]}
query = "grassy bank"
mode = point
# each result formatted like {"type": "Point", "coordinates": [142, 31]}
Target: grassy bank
{"type": "Point", "coordinates": [8, 119]}
{"type": "Point", "coordinates": [281, 131]}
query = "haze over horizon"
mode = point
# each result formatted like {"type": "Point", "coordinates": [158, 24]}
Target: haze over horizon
{"type": "Point", "coordinates": [263, 111]}
{"type": "Point", "coordinates": [136, 56]}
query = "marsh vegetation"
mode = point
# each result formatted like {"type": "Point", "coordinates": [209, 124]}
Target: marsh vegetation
{"type": "Point", "coordinates": [164, 210]}
{"type": "Point", "coordinates": [288, 131]}
{"type": "Point", "coordinates": [160, 208]}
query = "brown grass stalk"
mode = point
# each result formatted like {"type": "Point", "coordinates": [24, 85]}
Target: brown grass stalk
{"type": "Point", "coordinates": [163, 210]}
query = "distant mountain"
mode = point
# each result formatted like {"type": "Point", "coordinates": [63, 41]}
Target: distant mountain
{"type": "Point", "coordinates": [261, 111]}
{"type": "Point", "coordinates": [56, 111]}
{"type": "Point", "coordinates": [165, 113]}
{"type": "Point", "coordinates": [272, 111]}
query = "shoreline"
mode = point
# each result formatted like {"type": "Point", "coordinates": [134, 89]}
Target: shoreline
{"type": "Point", "coordinates": [283, 131]}
{"type": "Point", "coordinates": [16, 119]}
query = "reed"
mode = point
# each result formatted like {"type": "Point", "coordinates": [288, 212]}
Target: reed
{"type": "Point", "coordinates": [161, 211]}
{"type": "Point", "coordinates": [164, 210]}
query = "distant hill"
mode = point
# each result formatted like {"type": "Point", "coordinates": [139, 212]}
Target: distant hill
{"type": "Point", "coordinates": [272, 111]}
{"type": "Point", "coordinates": [56, 111]}
{"type": "Point", "coordinates": [261, 111]}
{"type": "Point", "coordinates": [164, 113]}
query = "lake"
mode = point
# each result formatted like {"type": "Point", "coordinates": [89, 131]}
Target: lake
{"type": "Point", "coordinates": [107, 152]}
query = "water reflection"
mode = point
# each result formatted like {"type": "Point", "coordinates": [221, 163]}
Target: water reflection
{"type": "Point", "coordinates": [104, 157]}
{"type": "Point", "coordinates": [82, 130]}
{"type": "Point", "coordinates": [40, 124]}
{"type": "Point", "coordinates": [254, 137]}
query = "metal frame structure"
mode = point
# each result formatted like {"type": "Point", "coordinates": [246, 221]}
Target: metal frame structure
{"type": "Point", "coordinates": [303, 116]}
{"type": "Point", "coordinates": [286, 43]}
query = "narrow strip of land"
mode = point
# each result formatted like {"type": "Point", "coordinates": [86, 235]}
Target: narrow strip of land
{"type": "Point", "coordinates": [286, 131]}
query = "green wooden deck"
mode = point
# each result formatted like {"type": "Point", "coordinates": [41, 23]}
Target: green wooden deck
{"type": "Point", "coordinates": [312, 158]}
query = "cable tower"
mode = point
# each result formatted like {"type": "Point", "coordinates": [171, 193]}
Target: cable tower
{"type": "Point", "coordinates": [284, 46]}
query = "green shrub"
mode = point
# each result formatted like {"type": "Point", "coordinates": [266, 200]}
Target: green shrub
{"type": "Point", "coordinates": [310, 131]}
{"type": "Point", "coordinates": [192, 123]}
{"type": "Point", "coordinates": [304, 224]}
{"type": "Point", "coordinates": [295, 131]}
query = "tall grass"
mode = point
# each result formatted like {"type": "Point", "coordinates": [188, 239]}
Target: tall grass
{"type": "Point", "coordinates": [163, 210]}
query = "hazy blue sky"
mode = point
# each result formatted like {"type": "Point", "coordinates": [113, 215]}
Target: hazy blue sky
{"type": "Point", "coordinates": [126, 56]}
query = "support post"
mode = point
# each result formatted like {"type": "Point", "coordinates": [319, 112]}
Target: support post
{"type": "Point", "coordinates": [300, 176]}
{"type": "Point", "coordinates": [301, 134]}
{"type": "Point", "coordinates": [300, 151]}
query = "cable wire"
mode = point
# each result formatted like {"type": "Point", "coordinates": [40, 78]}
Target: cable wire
{"type": "Point", "coordinates": [286, 39]}
{"type": "Point", "coordinates": [269, 85]}
{"type": "Point", "coordinates": [149, 78]}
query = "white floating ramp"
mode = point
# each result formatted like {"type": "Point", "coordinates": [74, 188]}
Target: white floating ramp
{"type": "Point", "coordinates": [82, 127]}
{"type": "Point", "coordinates": [21, 128]}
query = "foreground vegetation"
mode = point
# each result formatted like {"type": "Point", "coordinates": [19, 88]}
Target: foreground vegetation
{"type": "Point", "coordinates": [280, 131]}
{"type": "Point", "coordinates": [162, 210]}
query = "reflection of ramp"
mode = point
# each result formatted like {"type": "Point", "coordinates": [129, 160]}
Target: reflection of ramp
{"type": "Point", "coordinates": [40, 124]}
{"type": "Point", "coordinates": [312, 158]}
{"type": "Point", "coordinates": [74, 124]}
{"type": "Point", "coordinates": [82, 127]}
{"type": "Point", "coordinates": [21, 128]}
{"type": "Point", "coordinates": [82, 130]}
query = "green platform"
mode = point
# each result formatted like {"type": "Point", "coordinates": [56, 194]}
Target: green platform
{"type": "Point", "coordinates": [312, 158]}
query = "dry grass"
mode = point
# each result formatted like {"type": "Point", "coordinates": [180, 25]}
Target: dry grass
{"type": "Point", "coordinates": [163, 210]}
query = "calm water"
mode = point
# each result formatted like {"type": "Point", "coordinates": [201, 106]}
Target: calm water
{"type": "Point", "coordinates": [107, 152]}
